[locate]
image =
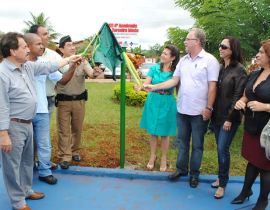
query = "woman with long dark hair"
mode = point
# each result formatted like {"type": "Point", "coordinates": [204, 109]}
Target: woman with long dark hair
{"type": "Point", "coordinates": [159, 114]}
{"type": "Point", "coordinates": [225, 119]}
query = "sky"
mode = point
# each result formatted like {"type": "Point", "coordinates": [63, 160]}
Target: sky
{"type": "Point", "coordinates": [81, 18]}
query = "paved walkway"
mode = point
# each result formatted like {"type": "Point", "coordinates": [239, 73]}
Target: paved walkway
{"type": "Point", "coordinates": [83, 188]}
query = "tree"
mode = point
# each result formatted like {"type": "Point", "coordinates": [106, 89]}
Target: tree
{"type": "Point", "coordinates": [154, 51]}
{"type": "Point", "coordinates": [43, 21]}
{"type": "Point", "coordinates": [177, 37]}
{"type": "Point", "coordinates": [247, 20]}
{"type": "Point", "coordinates": [137, 50]}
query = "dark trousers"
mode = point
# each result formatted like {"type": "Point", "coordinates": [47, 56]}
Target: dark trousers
{"type": "Point", "coordinates": [195, 127]}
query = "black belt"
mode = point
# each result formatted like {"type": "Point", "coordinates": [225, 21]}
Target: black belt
{"type": "Point", "coordinates": [64, 97]}
{"type": "Point", "coordinates": [163, 92]}
{"type": "Point", "coordinates": [21, 120]}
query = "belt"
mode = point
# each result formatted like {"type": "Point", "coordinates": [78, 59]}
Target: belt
{"type": "Point", "coordinates": [163, 92]}
{"type": "Point", "coordinates": [20, 120]}
{"type": "Point", "coordinates": [64, 97]}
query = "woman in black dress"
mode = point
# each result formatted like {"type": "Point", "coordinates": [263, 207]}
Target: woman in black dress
{"type": "Point", "coordinates": [256, 104]}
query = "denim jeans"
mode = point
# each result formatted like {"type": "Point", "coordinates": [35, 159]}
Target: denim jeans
{"type": "Point", "coordinates": [195, 127]}
{"type": "Point", "coordinates": [224, 139]}
{"type": "Point", "coordinates": [41, 128]}
{"type": "Point", "coordinates": [51, 105]}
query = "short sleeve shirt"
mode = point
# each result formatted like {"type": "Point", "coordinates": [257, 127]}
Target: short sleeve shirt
{"type": "Point", "coordinates": [194, 77]}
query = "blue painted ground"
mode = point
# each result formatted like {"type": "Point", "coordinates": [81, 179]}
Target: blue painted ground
{"type": "Point", "coordinates": [82, 188]}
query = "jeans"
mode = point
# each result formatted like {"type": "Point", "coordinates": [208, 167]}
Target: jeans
{"type": "Point", "coordinates": [41, 127]}
{"type": "Point", "coordinates": [51, 105]}
{"type": "Point", "coordinates": [195, 127]}
{"type": "Point", "coordinates": [224, 140]}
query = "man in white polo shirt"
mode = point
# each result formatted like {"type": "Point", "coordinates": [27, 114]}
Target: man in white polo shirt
{"type": "Point", "coordinates": [197, 73]}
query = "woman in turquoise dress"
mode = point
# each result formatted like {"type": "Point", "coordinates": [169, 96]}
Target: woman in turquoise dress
{"type": "Point", "coordinates": [159, 113]}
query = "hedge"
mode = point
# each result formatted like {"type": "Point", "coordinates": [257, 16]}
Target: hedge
{"type": "Point", "coordinates": [133, 98]}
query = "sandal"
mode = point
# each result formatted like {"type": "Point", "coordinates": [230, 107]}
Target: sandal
{"type": "Point", "coordinates": [163, 165]}
{"type": "Point", "coordinates": [215, 184]}
{"type": "Point", "coordinates": [219, 193]}
{"type": "Point", "coordinates": [151, 164]}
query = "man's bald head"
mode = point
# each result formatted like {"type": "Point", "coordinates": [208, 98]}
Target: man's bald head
{"type": "Point", "coordinates": [35, 45]}
{"type": "Point", "coordinates": [30, 38]}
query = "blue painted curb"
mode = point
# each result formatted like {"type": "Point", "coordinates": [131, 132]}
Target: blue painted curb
{"type": "Point", "coordinates": [136, 174]}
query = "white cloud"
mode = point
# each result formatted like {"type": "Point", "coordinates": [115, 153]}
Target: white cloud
{"type": "Point", "coordinates": [81, 18]}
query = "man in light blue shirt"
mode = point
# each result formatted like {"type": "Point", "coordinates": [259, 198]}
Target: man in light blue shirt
{"type": "Point", "coordinates": [41, 122]}
{"type": "Point", "coordinates": [48, 55]}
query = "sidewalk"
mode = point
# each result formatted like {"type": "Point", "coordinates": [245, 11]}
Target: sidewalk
{"type": "Point", "coordinates": [85, 188]}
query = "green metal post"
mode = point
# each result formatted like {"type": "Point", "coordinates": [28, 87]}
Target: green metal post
{"type": "Point", "coordinates": [123, 113]}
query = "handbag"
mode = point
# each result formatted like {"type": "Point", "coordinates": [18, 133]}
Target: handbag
{"type": "Point", "coordinates": [265, 139]}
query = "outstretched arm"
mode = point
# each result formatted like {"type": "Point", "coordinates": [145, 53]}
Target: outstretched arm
{"type": "Point", "coordinates": [164, 85]}
{"type": "Point", "coordinates": [68, 75]}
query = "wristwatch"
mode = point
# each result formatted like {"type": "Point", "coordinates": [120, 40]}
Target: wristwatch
{"type": "Point", "coordinates": [209, 108]}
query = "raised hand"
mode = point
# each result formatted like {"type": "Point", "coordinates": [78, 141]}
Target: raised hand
{"type": "Point", "coordinates": [240, 105]}
{"type": "Point", "coordinates": [256, 106]}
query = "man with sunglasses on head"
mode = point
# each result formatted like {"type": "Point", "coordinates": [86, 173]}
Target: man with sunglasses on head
{"type": "Point", "coordinates": [197, 73]}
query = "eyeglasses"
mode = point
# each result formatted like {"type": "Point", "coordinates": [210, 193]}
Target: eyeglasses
{"type": "Point", "coordinates": [188, 39]}
{"type": "Point", "coordinates": [223, 46]}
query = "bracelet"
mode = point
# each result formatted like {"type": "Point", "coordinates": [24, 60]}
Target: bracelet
{"type": "Point", "coordinates": [209, 108]}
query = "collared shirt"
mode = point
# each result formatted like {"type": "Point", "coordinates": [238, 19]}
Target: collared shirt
{"type": "Point", "coordinates": [17, 90]}
{"type": "Point", "coordinates": [50, 55]}
{"type": "Point", "coordinates": [42, 103]}
{"type": "Point", "coordinates": [76, 85]}
{"type": "Point", "coordinates": [194, 77]}
{"type": "Point", "coordinates": [40, 83]}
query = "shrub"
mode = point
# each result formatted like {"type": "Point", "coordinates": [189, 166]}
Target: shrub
{"type": "Point", "coordinates": [133, 98]}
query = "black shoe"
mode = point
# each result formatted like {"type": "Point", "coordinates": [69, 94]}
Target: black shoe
{"type": "Point", "coordinates": [48, 179]}
{"type": "Point", "coordinates": [76, 158]}
{"type": "Point", "coordinates": [64, 165]}
{"type": "Point", "coordinates": [193, 182]}
{"type": "Point", "coordinates": [242, 197]}
{"type": "Point", "coordinates": [261, 204]}
{"type": "Point", "coordinates": [176, 175]}
{"type": "Point", "coordinates": [54, 166]}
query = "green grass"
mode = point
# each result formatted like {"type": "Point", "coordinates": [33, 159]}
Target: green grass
{"type": "Point", "coordinates": [100, 139]}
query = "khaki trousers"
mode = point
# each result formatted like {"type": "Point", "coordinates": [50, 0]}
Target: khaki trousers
{"type": "Point", "coordinates": [70, 116]}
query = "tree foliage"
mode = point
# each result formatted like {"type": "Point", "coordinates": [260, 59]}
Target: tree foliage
{"type": "Point", "coordinates": [247, 20]}
{"type": "Point", "coordinates": [177, 37]}
{"type": "Point", "coordinates": [154, 51]}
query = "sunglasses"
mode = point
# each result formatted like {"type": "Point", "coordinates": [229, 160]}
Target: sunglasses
{"type": "Point", "coordinates": [223, 46]}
